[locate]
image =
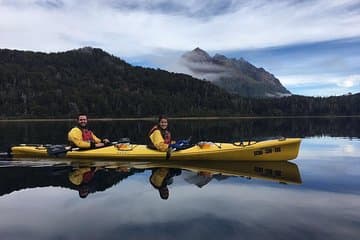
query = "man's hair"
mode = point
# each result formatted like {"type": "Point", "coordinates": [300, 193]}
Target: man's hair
{"type": "Point", "coordinates": [81, 114]}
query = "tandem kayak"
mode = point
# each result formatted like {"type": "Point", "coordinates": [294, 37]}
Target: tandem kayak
{"type": "Point", "coordinates": [270, 150]}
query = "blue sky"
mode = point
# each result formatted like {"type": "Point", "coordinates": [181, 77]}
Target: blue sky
{"type": "Point", "coordinates": [311, 46]}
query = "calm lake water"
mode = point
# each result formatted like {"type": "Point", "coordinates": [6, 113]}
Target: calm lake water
{"type": "Point", "coordinates": [316, 196]}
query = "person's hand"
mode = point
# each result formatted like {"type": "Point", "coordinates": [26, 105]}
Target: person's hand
{"type": "Point", "coordinates": [106, 142]}
{"type": "Point", "coordinates": [97, 145]}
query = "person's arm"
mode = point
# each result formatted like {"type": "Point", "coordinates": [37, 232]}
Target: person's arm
{"type": "Point", "coordinates": [75, 136]}
{"type": "Point", "coordinates": [158, 141]}
{"type": "Point", "coordinates": [96, 139]}
{"type": "Point", "coordinates": [98, 142]}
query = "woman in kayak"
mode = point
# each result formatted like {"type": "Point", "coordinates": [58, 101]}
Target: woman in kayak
{"type": "Point", "coordinates": [160, 136]}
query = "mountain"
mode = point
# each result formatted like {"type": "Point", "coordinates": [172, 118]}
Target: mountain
{"type": "Point", "coordinates": [236, 76]}
{"type": "Point", "coordinates": [89, 80]}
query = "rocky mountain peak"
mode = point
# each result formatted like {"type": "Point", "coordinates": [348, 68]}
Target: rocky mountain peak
{"type": "Point", "coordinates": [220, 58]}
{"type": "Point", "coordinates": [197, 55]}
{"type": "Point", "coordinates": [237, 76]}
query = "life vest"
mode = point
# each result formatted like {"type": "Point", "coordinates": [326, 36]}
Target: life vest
{"type": "Point", "coordinates": [87, 135]}
{"type": "Point", "coordinates": [164, 133]}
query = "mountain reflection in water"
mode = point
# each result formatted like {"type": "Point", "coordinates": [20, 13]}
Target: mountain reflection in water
{"type": "Point", "coordinates": [89, 178]}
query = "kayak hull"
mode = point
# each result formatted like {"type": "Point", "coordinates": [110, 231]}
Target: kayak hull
{"type": "Point", "coordinates": [270, 150]}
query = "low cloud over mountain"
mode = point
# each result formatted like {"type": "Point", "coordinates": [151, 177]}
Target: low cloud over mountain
{"type": "Point", "coordinates": [237, 76]}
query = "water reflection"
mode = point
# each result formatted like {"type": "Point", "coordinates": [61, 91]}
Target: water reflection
{"type": "Point", "coordinates": [84, 180]}
{"type": "Point", "coordinates": [38, 201]}
{"type": "Point", "coordinates": [88, 178]}
{"type": "Point", "coordinates": [201, 173]}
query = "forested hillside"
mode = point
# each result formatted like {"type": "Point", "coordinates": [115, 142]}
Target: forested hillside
{"type": "Point", "coordinates": [92, 81]}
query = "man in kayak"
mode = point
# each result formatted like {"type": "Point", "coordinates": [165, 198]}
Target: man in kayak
{"type": "Point", "coordinates": [80, 136]}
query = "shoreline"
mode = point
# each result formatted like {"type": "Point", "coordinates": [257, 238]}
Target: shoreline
{"type": "Point", "coordinates": [175, 118]}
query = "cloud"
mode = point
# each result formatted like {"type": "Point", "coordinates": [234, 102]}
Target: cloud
{"type": "Point", "coordinates": [194, 9]}
{"type": "Point", "coordinates": [321, 84]}
{"type": "Point", "coordinates": [50, 3]}
{"type": "Point", "coordinates": [349, 81]}
{"type": "Point", "coordinates": [131, 28]}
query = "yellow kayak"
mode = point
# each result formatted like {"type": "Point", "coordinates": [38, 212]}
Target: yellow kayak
{"type": "Point", "coordinates": [269, 150]}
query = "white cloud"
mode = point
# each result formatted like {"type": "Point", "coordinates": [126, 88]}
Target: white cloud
{"type": "Point", "coordinates": [144, 27]}
{"type": "Point", "coordinates": [349, 81]}
{"type": "Point", "coordinates": [321, 84]}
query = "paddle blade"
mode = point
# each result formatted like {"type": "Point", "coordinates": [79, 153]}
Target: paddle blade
{"type": "Point", "coordinates": [58, 150]}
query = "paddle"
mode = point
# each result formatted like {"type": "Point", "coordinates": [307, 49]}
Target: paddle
{"type": "Point", "coordinates": [34, 145]}
{"type": "Point", "coordinates": [61, 150]}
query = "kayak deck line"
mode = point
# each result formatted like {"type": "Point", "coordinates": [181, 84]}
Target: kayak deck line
{"type": "Point", "coordinates": [269, 150]}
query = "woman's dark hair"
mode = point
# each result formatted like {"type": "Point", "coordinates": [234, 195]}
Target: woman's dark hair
{"type": "Point", "coordinates": [162, 117]}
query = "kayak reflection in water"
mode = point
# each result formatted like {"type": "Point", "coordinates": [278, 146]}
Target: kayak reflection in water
{"type": "Point", "coordinates": [161, 178]}
{"type": "Point", "coordinates": [160, 136]}
{"type": "Point", "coordinates": [80, 136]}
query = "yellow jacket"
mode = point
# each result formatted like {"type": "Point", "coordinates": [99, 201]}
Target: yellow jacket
{"type": "Point", "coordinates": [75, 137]}
{"type": "Point", "coordinates": [158, 141]}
